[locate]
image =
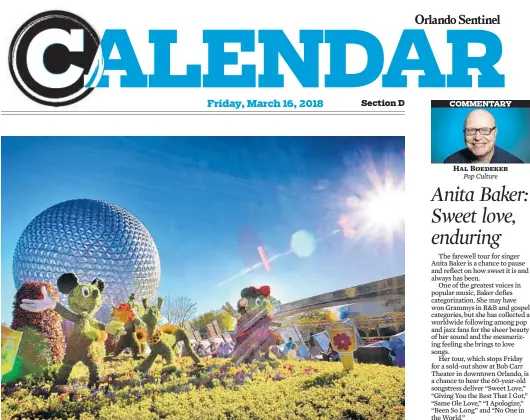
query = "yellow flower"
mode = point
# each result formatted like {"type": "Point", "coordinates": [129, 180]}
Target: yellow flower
{"type": "Point", "coordinates": [141, 335]}
{"type": "Point", "coordinates": [102, 336]}
{"type": "Point", "coordinates": [168, 329]}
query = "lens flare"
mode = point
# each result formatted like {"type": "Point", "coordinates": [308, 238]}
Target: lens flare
{"type": "Point", "coordinates": [303, 244]}
{"type": "Point", "coordinates": [378, 213]}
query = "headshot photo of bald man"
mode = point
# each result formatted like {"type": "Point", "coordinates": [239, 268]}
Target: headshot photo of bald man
{"type": "Point", "coordinates": [480, 132]}
{"type": "Point", "coordinates": [480, 136]}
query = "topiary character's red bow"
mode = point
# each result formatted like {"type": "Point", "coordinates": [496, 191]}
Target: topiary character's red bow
{"type": "Point", "coordinates": [253, 292]}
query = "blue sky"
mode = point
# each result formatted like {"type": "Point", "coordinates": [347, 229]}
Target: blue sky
{"type": "Point", "coordinates": [209, 202]}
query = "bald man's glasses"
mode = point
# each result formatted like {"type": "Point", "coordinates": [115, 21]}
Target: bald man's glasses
{"type": "Point", "coordinates": [485, 131]}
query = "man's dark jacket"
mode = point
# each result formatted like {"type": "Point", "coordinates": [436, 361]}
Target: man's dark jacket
{"type": "Point", "coordinates": [499, 156]}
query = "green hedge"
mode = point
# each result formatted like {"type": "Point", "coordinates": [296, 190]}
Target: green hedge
{"type": "Point", "coordinates": [278, 390]}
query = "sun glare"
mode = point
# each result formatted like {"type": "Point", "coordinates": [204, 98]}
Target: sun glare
{"type": "Point", "coordinates": [378, 213]}
{"type": "Point", "coordinates": [384, 207]}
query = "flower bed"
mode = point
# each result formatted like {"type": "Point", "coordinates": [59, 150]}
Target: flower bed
{"type": "Point", "coordinates": [369, 340]}
{"type": "Point", "coordinates": [262, 390]}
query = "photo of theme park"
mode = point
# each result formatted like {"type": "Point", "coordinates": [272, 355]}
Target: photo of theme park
{"type": "Point", "coordinates": [203, 278]}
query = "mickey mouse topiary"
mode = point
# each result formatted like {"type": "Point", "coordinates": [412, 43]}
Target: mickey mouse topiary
{"type": "Point", "coordinates": [86, 343]}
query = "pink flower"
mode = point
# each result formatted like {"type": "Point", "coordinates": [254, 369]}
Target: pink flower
{"type": "Point", "coordinates": [342, 341]}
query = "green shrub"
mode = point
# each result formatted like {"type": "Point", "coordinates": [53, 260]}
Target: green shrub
{"type": "Point", "coordinates": [294, 390]}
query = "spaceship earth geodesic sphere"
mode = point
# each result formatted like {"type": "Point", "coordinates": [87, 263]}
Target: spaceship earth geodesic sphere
{"type": "Point", "coordinates": [93, 239]}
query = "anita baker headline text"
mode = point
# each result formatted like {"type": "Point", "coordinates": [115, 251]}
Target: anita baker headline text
{"type": "Point", "coordinates": [482, 215]}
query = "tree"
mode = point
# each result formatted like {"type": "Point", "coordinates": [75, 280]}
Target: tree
{"type": "Point", "coordinates": [224, 319]}
{"type": "Point", "coordinates": [202, 320]}
{"type": "Point", "coordinates": [316, 316]}
{"type": "Point", "coordinates": [275, 302]}
{"type": "Point", "coordinates": [392, 303]}
{"type": "Point", "coordinates": [178, 310]}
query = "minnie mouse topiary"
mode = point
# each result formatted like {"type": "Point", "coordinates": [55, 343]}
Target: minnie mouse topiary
{"type": "Point", "coordinates": [254, 334]}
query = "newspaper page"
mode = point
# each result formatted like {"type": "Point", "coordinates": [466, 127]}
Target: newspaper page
{"type": "Point", "coordinates": [280, 171]}
{"type": "Point", "coordinates": [479, 301]}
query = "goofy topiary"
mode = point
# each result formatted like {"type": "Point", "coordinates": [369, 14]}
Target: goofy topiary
{"type": "Point", "coordinates": [87, 341]}
{"type": "Point", "coordinates": [163, 340]}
